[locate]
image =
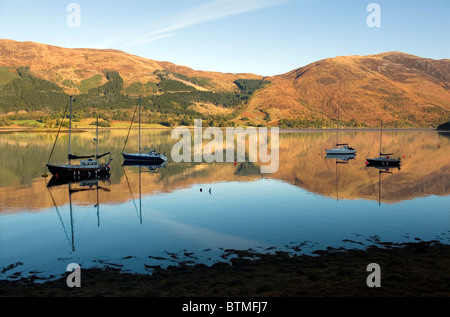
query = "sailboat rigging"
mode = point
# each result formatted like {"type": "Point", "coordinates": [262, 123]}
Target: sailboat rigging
{"type": "Point", "coordinates": [89, 168]}
{"type": "Point", "coordinates": [150, 158]}
{"type": "Point", "coordinates": [342, 148]}
{"type": "Point", "coordinates": [384, 158]}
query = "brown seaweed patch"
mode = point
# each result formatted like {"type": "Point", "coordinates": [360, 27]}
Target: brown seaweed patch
{"type": "Point", "coordinates": [10, 267]}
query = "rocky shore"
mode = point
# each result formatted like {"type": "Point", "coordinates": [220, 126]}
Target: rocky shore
{"type": "Point", "coordinates": [409, 270]}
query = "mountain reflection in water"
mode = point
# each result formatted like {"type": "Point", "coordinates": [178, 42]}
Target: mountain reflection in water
{"type": "Point", "coordinates": [425, 168]}
{"type": "Point", "coordinates": [143, 216]}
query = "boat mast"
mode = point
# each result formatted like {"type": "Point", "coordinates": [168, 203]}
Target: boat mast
{"type": "Point", "coordinates": [381, 137]}
{"type": "Point", "coordinates": [139, 124]}
{"type": "Point", "coordinates": [337, 130]}
{"type": "Point", "coordinates": [70, 126]}
{"type": "Point", "coordinates": [96, 140]}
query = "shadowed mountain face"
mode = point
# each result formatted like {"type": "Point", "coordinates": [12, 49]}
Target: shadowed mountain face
{"type": "Point", "coordinates": [400, 89]}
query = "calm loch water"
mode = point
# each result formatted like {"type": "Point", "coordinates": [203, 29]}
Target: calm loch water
{"type": "Point", "coordinates": [192, 212]}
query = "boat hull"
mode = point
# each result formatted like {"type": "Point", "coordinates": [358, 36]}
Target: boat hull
{"type": "Point", "coordinates": [78, 170]}
{"type": "Point", "coordinates": [149, 166]}
{"type": "Point", "coordinates": [341, 152]}
{"type": "Point", "coordinates": [143, 159]}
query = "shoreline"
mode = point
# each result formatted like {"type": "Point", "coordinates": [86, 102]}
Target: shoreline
{"type": "Point", "coordinates": [413, 269]}
{"type": "Point", "coordinates": [282, 130]}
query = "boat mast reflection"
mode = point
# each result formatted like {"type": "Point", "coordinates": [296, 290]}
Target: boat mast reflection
{"type": "Point", "coordinates": [340, 159]}
{"type": "Point", "coordinates": [381, 170]}
{"type": "Point", "coordinates": [151, 169]}
{"type": "Point", "coordinates": [84, 184]}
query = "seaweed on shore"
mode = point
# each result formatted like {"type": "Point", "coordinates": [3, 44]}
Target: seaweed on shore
{"type": "Point", "coordinates": [412, 269]}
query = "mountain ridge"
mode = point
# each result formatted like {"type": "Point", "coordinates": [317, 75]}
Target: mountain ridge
{"type": "Point", "coordinates": [401, 89]}
{"type": "Point", "coordinates": [391, 80]}
{"type": "Point", "coordinates": [47, 61]}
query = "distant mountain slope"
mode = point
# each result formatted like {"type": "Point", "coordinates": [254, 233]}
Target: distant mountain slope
{"type": "Point", "coordinates": [400, 89]}
{"type": "Point", "coordinates": [73, 68]}
{"type": "Point", "coordinates": [36, 80]}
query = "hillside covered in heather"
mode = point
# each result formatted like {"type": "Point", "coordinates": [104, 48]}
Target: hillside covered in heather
{"type": "Point", "coordinates": [403, 90]}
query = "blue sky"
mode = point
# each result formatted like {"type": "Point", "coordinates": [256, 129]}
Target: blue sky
{"type": "Point", "coordinates": [265, 37]}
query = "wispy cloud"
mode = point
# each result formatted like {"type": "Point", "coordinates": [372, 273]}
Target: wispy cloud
{"type": "Point", "coordinates": [146, 40]}
{"type": "Point", "coordinates": [211, 11]}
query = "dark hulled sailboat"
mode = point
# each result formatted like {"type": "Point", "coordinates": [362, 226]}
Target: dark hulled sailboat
{"type": "Point", "coordinates": [150, 158]}
{"type": "Point", "coordinates": [384, 158]}
{"type": "Point", "coordinates": [89, 167]}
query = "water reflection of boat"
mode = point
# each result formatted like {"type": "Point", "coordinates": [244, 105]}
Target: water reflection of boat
{"type": "Point", "coordinates": [381, 170]}
{"type": "Point", "coordinates": [151, 168]}
{"type": "Point", "coordinates": [90, 167]}
{"type": "Point", "coordinates": [384, 159]}
{"type": "Point", "coordinates": [85, 184]}
{"type": "Point", "coordinates": [340, 159]}
{"type": "Point", "coordinates": [151, 157]}
{"type": "Point", "coordinates": [342, 148]}
{"type": "Point", "coordinates": [82, 180]}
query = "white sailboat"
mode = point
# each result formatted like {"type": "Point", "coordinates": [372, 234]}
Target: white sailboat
{"type": "Point", "coordinates": [342, 149]}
